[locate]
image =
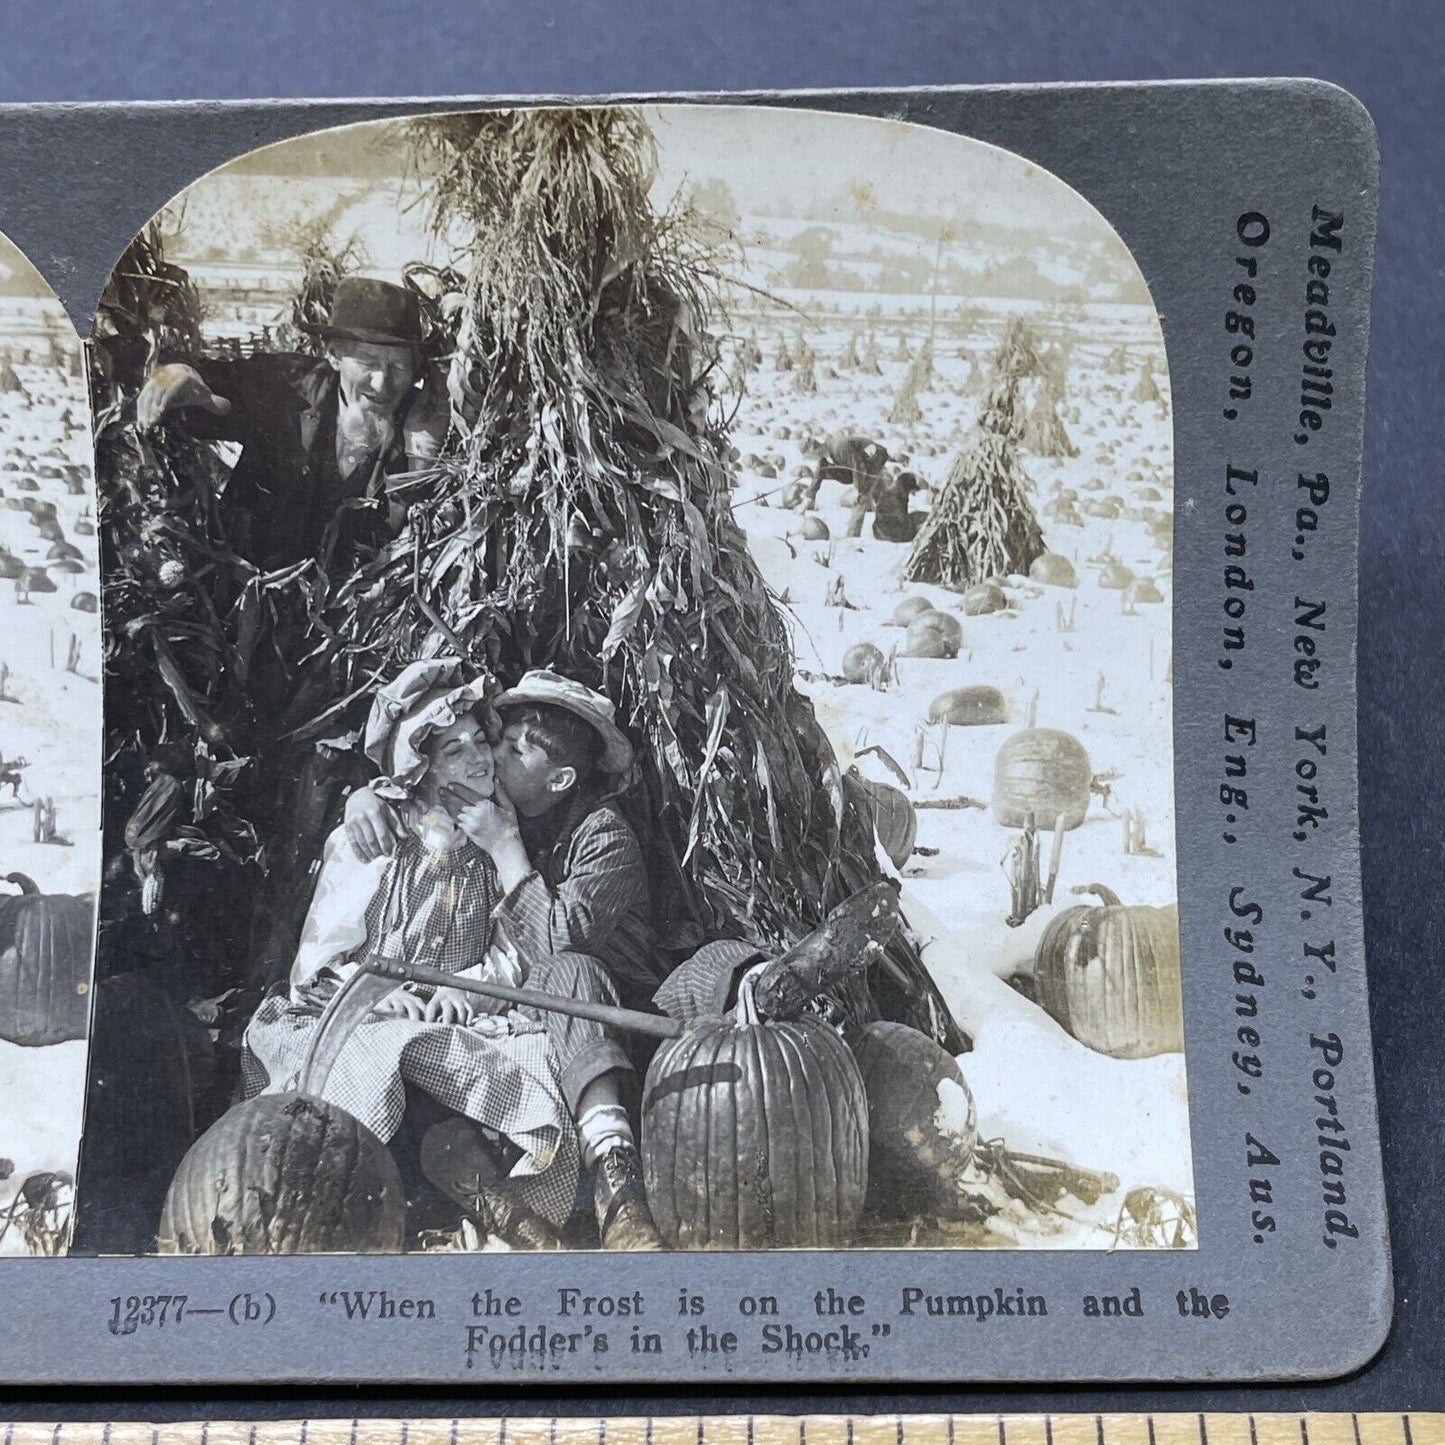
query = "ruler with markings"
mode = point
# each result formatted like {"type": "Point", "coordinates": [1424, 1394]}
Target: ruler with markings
{"type": "Point", "coordinates": [1113, 1429]}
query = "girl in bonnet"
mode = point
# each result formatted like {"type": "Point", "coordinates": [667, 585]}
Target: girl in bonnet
{"type": "Point", "coordinates": [431, 902]}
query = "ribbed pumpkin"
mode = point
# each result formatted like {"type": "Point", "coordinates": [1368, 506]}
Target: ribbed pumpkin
{"type": "Point", "coordinates": [285, 1174]}
{"type": "Point", "coordinates": [908, 609]}
{"type": "Point", "coordinates": [983, 598]}
{"type": "Point", "coordinates": [862, 662]}
{"type": "Point", "coordinates": [754, 1135]}
{"type": "Point", "coordinates": [922, 1125]}
{"type": "Point", "coordinates": [1042, 771]}
{"type": "Point", "coordinates": [933, 634]}
{"type": "Point", "coordinates": [1110, 975]}
{"type": "Point", "coordinates": [1053, 570]}
{"type": "Point", "coordinates": [44, 965]}
{"type": "Point", "coordinates": [976, 706]}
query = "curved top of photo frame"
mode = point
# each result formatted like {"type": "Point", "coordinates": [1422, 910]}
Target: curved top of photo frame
{"type": "Point", "coordinates": [820, 177]}
{"type": "Point", "coordinates": [19, 276]}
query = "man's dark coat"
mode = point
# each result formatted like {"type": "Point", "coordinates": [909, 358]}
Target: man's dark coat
{"type": "Point", "coordinates": [286, 490]}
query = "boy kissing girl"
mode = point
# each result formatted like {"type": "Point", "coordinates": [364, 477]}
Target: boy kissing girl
{"type": "Point", "coordinates": [575, 901]}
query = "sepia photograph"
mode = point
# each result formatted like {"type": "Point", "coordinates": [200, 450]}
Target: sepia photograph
{"type": "Point", "coordinates": [50, 757]}
{"type": "Point", "coordinates": [638, 702]}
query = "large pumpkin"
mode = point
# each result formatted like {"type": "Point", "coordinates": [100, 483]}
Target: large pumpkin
{"type": "Point", "coordinates": [45, 948]}
{"type": "Point", "coordinates": [908, 609]}
{"type": "Point", "coordinates": [863, 662]}
{"type": "Point", "coordinates": [922, 1126]}
{"type": "Point", "coordinates": [754, 1136]}
{"type": "Point", "coordinates": [285, 1174]}
{"type": "Point", "coordinates": [933, 634]}
{"type": "Point", "coordinates": [978, 705]}
{"type": "Point", "coordinates": [1042, 771]}
{"type": "Point", "coordinates": [983, 598]}
{"type": "Point", "coordinates": [1110, 975]}
{"type": "Point", "coordinates": [1053, 570]}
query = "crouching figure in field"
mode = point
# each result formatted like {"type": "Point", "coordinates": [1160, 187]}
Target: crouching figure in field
{"type": "Point", "coordinates": [516, 1081]}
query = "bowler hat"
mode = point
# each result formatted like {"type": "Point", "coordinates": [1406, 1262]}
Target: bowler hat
{"type": "Point", "coordinates": [544, 686]}
{"type": "Point", "coordinates": [378, 312]}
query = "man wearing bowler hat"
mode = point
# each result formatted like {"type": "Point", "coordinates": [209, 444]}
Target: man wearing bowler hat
{"type": "Point", "coordinates": [318, 439]}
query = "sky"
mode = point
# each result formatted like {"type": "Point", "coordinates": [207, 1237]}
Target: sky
{"type": "Point", "coordinates": [809, 156]}
{"type": "Point", "coordinates": [769, 155]}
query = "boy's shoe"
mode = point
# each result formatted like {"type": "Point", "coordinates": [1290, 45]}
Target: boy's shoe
{"type": "Point", "coordinates": [514, 1224]}
{"type": "Point", "coordinates": [623, 1219]}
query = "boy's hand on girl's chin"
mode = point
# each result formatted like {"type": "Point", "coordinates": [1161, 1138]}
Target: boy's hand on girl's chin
{"type": "Point", "coordinates": [491, 824]}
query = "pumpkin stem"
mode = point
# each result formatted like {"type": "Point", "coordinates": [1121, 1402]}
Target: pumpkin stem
{"type": "Point", "coordinates": [747, 1010]}
{"type": "Point", "coordinates": [26, 885]}
{"type": "Point", "coordinates": [1106, 896]}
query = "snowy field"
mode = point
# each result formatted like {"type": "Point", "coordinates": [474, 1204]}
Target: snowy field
{"type": "Point", "coordinates": [1105, 681]}
{"type": "Point", "coordinates": [49, 716]}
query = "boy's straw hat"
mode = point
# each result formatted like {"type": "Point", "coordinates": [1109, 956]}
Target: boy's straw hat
{"type": "Point", "coordinates": [546, 687]}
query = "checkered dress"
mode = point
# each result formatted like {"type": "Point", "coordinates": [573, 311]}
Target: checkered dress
{"type": "Point", "coordinates": [433, 908]}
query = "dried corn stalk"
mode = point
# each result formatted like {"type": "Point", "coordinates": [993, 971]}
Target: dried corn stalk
{"type": "Point", "coordinates": [983, 524]}
{"type": "Point", "coordinates": [578, 517]}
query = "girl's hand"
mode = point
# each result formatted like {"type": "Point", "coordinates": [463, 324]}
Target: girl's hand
{"type": "Point", "coordinates": [403, 1004]}
{"type": "Point", "coordinates": [372, 828]}
{"type": "Point", "coordinates": [452, 1006]}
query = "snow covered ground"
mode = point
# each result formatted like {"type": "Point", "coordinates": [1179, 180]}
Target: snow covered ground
{"type": "Point", "coordinates": [1105, 681]}
{"type": "Point", "coordinates": [50, 717]}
